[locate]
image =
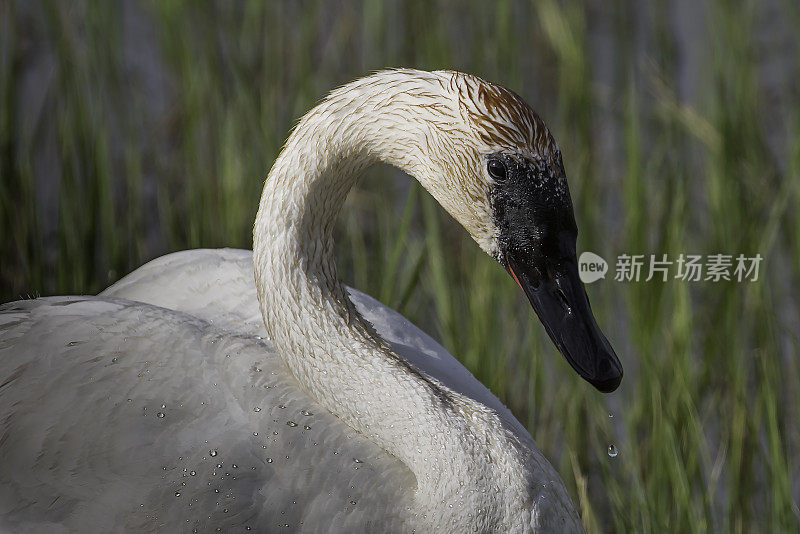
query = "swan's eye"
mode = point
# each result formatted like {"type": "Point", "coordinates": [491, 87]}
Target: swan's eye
{"type": "Point", "coordinates": [497, 169]}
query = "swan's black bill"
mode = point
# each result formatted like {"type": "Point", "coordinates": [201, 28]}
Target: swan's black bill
{"type": "Point", "coordinates": [533, 211]}
{"type": "Point", "coordinates": [557, 295]}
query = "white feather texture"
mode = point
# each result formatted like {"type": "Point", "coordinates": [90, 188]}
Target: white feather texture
{"type": "Point", "coordinates": [183, 398]}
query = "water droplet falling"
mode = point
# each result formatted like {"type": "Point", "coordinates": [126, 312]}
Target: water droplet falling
{"type": "Point", "coordinates": [612, 451]}
{"type": "Point", "coordinates": [212, 452]}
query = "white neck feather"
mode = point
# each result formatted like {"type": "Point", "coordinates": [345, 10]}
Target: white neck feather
{"type": "Point", "coordinates": [460, 451]}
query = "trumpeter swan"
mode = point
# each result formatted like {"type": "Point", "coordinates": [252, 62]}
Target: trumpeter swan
{"type": "Point", "coordinates": [165, 404]}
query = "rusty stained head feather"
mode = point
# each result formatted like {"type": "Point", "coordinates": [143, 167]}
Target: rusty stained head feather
{"type": "Point", "coordinates": [501, 118]}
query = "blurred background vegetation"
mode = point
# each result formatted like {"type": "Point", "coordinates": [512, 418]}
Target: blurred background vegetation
{"type": "Point", "coordinates": [132, 129]}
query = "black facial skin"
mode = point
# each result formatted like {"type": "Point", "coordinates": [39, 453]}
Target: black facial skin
{"type": "Point", "coordinates": [533, 210]}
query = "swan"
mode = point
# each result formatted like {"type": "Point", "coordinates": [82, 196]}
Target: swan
{"type": "Point", "coordinates": [180, 400]}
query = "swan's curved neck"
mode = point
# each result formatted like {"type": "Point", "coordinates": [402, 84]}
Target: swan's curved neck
{"type": "Point", "coordinates": [447, 440]}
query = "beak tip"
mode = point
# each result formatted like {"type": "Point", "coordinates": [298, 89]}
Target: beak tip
{"type": "Point", "coordinates": [608, 385]}
{"type": "Point", "coordinates": [611, 377]}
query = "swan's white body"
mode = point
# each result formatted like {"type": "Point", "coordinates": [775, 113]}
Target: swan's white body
{"type": "Point", "coordinates": [402, 437]}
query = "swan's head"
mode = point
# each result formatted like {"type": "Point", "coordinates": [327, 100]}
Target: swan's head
{"type": "Point", "coordinates": [500, 173]}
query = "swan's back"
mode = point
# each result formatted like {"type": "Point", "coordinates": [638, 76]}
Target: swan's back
{"type": "Point", "coordinates": [185, 332]}
{"type": "Point", "coordinates": [217, 285]}
{"type": "Point", "coordinates": [172, 424]}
